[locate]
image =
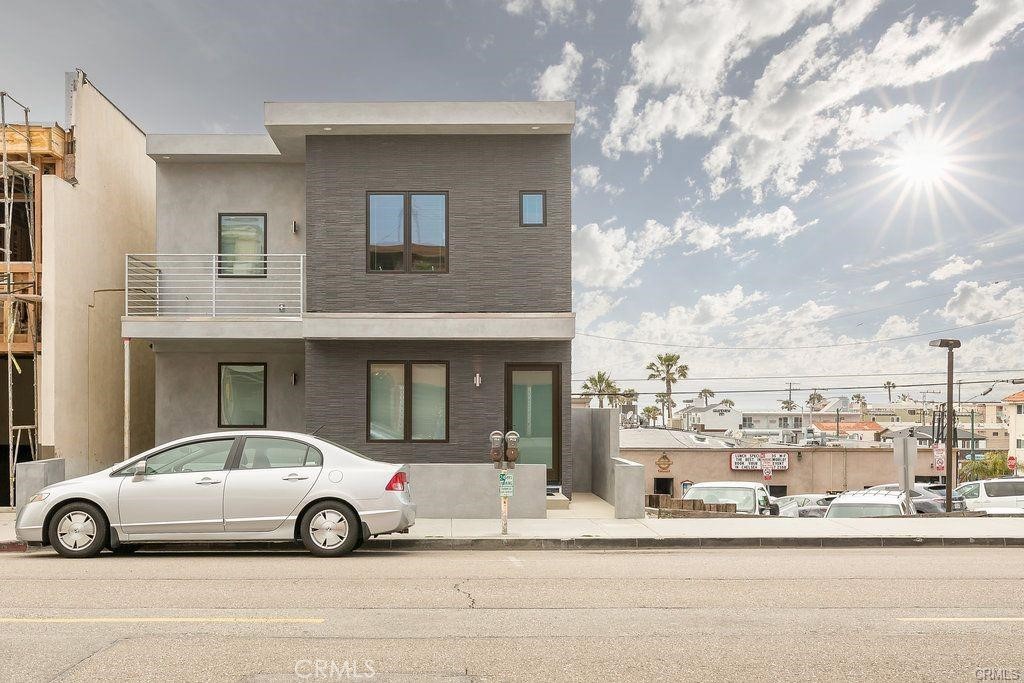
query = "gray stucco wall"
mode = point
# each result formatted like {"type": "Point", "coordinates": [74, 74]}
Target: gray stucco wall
{"type": "Point", "coordinates": [190, 195]}
{"type": "Point", "coordinates": [336, 395]}
{"type": "Point", "coordinates": [186, 384]}
{"type": "Point", "coordinates": [494, 265]}
{"type": "Point", "coordinates": [619, 481]}
{"type": "Point", "coordinates": [471, 491]}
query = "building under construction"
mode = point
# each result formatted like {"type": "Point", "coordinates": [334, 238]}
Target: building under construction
{"type": "Point", "coordinates": [75, 198]}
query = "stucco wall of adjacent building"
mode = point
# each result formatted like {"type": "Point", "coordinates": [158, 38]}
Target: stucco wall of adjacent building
{"type": "Point", "coordinates": [88, 227]}
{"type": "Point", "coordinates": [187, 383]}
{"type": "Point", "coordinates": [336, 375]}
{"type": "Point", "coordinates": [494, 264]}
{"type": "Point", "coordinates": [189, 197]}
{"type": "Point", "coordinates": [811, 470]}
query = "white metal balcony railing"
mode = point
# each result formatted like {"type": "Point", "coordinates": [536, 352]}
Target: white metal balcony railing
{"type": "Point", "coordinates": [210, 285]}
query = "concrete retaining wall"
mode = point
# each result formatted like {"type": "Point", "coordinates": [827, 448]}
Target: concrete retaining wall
{"type": "Point", "coordinates": [470, 491]}
{"type": "Point", "coordinates": [36, 475]}
{"type": "Point", "coordinates": [596, 462]}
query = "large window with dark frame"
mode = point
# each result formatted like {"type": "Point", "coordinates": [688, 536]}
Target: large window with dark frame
{"type": "Point", "coordinates": [242, 395]}
{"type": "Point", "coordinates": [242, 245]}
{"type": "Point", "coordinates": [407, 232]}
{"type": "Point", "coordinates": [407, 401]}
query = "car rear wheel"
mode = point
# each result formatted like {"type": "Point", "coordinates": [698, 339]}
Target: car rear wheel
{"type": "Point", "coordinates": [78, 530]}
{"type": "Point", "coordinates": [330, 529]}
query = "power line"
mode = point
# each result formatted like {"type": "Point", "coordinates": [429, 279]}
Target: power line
{"type": "Point", "coordinates": [797, 348]}
{"type": "Point", "coordinates": [831, 374]}
{"type": "Point", "coordinates": [783, 390]}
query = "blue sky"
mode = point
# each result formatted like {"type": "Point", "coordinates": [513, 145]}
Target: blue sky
{"type": "Point", "coordinates": [822, 174]}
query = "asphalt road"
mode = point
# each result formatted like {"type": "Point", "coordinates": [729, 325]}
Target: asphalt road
{"type": "Point", "coordinates": [851, 614]}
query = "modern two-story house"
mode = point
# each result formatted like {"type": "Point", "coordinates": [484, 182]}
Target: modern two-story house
{"type": "Point", "coordinates": [392, 276]}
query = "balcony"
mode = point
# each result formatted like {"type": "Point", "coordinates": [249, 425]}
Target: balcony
{"type": "Point", "coordinates": [214, 285]}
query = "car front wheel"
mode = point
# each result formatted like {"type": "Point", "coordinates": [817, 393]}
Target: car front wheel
{"type": "Point", "coordinates": [330, 529]}
{"type": "Point", "coordinates": [78, 530]}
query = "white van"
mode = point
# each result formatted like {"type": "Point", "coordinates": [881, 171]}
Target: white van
{"type": "Point", "coordinates": [750, 498]}
{"type": "Point", "coordinates": [993, 493]}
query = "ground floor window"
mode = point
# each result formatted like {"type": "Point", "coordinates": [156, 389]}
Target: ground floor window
{"type": "Point", "coordinates": [776, 491]}
{"type": "Point", "coordinates": [242, 395]}
{"type": "Point", "coordinates": [663, 485]}
{"type": "Point", "coordinates": [407, 401]}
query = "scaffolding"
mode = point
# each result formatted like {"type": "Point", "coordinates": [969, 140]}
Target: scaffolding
{"type": "Point", "coordinates": [20, 299]}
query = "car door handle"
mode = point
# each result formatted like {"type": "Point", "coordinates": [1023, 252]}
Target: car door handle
{"type": "Point", "coordinates": [293, 477]}
{"type": "Point", "coordinates": [206, 481]}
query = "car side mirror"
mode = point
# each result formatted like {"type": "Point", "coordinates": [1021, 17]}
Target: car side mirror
{"type": "Point", "coordinates": [140, 468]}
{"type": "Point", "coordinates": [773, 509]}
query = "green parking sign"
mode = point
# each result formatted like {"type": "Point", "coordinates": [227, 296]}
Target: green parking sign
{"type": "Point", "coordinates": [506, 484]}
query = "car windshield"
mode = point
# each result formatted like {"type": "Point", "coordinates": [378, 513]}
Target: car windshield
{"type": "Point", "coordinates": [863, 510]}
{"type": "Point", "coordinates": [744, 498]}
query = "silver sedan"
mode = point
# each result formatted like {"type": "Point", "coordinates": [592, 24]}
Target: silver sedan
{"type": "Point", "coordinates": [225, 486]}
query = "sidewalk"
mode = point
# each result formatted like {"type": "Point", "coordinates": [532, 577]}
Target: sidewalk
{"type": "Point", "coordinates": [567, 533]}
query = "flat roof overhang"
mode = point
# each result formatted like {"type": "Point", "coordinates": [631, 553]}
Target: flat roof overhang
{"type": "Point", "coordinates": [359, 327]}
{"type": "Point", "coordinates": [289, 123]}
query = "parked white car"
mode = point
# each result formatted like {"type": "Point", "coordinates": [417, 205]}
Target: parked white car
{"type": "Point", "coordinates": [226, 486]}
{"type": "Point", "coordinates": [989, 494]}
{"type": "Point", "coordinates": [751, 498]}
{"type": "Point", "coordinates": [870, 503]}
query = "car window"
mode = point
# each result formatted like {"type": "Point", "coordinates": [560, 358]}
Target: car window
{"type": "Point", "coordinates": [970, 490]}
{"type": "Point", "coordinates": [850, 510]}
{"type": "Point", "coordinates": [201, 456]}
{"type": "Point", "coordinates": [1003, 489]}
{"type": "Point", "coordinates": [261, 453]}
{"type": "Point", "coordinates": [744, 498]}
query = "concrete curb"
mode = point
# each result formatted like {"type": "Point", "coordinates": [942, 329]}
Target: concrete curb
{"type": "Point", "coordinates": [594, 544]}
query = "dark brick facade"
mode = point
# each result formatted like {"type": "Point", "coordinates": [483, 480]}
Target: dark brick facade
{"type": "Point", "coordinates": [335, 381]}
{"type": "Point", "coordinates": [494, 265]}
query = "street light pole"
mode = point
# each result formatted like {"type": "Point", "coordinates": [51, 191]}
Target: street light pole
{"type": "Point", "coordinates": [949, 345]}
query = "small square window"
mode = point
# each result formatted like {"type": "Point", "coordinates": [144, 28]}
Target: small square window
{"type": "Point", "coordinates": [533, 210]}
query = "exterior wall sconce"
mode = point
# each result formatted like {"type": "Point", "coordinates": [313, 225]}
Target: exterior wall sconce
{"type": "Point", "coordinates": [477, 381]}
{"type": "Point", "coordinates": [295, 227]}
{"type": "Point", "coordinates": [295, 378]}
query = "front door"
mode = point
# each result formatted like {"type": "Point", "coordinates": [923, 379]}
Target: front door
{"type": "Point", "coordinates": [272, 477]}
{"type": "Point", "coordinates": [533, 408]}
{"type": "Point", "coordinates": [182, 492]}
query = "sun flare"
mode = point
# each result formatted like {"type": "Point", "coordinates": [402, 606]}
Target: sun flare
{"type": "Point", "coordinates": [921, 160]}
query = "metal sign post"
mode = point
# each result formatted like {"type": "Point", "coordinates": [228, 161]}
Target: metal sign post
{"type": "Point", "coordinates": [504, 461]}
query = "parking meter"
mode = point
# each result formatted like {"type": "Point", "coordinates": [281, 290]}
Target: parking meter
{"type": "Point", "coordinates": [512, 448]}
{"type": "Point", "coordinates": [497, 438]}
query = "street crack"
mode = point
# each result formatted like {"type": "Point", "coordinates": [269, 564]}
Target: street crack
{"type": "Point", "coordinates": [458, 589]}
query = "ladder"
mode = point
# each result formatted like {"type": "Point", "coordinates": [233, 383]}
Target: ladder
{"type": "Point", "coordinates": [20, 300]}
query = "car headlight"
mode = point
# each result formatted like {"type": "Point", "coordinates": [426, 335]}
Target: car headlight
{"type": "Point", "coordinates": [39, 497]}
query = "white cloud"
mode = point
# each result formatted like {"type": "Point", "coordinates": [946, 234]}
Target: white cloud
{"type": "Point", "coordinates": [553, 10]}
{"type": "Point", "coordinates": [607, 258]}
{"type": "Point", "coordinates": [558, 81]}
{"type": "Point", "coordinates": [914, 284]}
{"type": "Point", "coordinates": [974, 303]}
{"type": "Point", "coordinates": [878, 287]}
{"type": "Point", "coordinates": [800, 105]}
{"type": "Point", "coordinates": [896, 326]}
{"type": "Point", "coordinates": [780, 224]}
{"type": "Point", "coordinates": [956, 265]}
{"type": "Point", "coordinates": [591, 305]}
{"type": "Point", "coordinates": [833, 166]}
{"type": "Point", "coordinates": [588, 177]}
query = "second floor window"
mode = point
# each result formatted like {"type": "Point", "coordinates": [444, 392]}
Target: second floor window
{"type": "Point", "coordinates": [407, 232]}
{"type": "Point", "coordinates": [533, 209]}
{"type": "Point", "coordinates": [241, 244]}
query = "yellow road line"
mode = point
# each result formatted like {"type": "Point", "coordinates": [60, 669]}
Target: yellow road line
{"type": "Point", "coordinates": [961, 619]}
{"type": "Point", "coordinates": [159, 620]}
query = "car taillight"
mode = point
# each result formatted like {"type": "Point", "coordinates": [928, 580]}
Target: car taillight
{"type": "Point", "coordinates": [398, 482]}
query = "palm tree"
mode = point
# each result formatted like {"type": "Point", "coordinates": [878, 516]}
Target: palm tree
{"type": "Point", "coordinates": [651, 413]}
{"type": "Point", "coordinates": [600, 385]}
{"type": "Point", "coordinates": [861, 402]}
{"type": "Point", "coordinates": [815, 399]}
{"type": "Point", "coordinates": [667, 404]}
{"type": "Point", "coordinates": [728, 403]}
{"type": "Point", "coordinates": [668, 369]}
{"type": "Point", "coordinates": [627, 396]}
{"type": "Point", "coordinates": [789, 405]}
{"type": "Point", "coordinates": [889, 386]}
{"type": "Point", "coordinates": [706, 394]}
